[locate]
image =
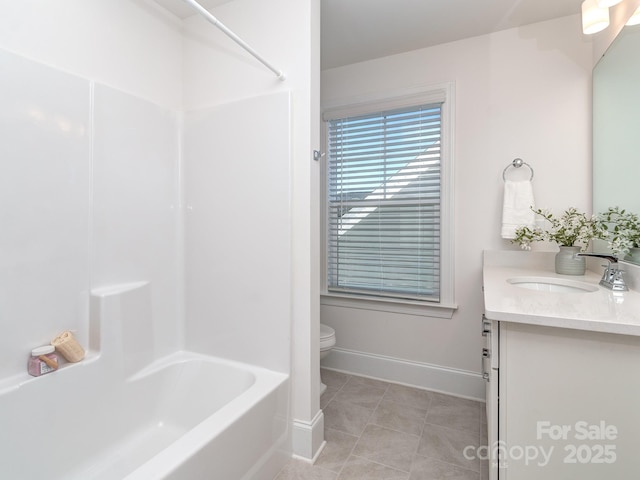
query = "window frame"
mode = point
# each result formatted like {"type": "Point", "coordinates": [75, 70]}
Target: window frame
{"type": "Point", "coordinates": [377, 103]}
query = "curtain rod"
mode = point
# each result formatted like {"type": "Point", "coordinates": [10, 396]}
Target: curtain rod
{"type": "Point", "coordinates": [205, 13]}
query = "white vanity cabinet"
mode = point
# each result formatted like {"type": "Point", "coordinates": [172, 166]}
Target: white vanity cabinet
{"type": "Point", "coordinates": [562, 403]}
{"type": "Point", "coordinates": [563, 371]}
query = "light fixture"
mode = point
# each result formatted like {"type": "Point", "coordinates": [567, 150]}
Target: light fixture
{"type": "Point", "coordinates": [635, 18]}
{"type": "Point", "coordinates": [594, 18]}
{"type": "Point", "coordinates": [607, 3]}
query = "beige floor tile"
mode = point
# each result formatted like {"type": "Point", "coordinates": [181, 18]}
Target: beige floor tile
{"type": "Point", "coordinates": [402, 417]}
{"type": "Point", "coordinates": [327, 396]}
{"type": "Point", "coordinates": [484, 434]}
{"type": "Point", "coordinates": [379, 430]}
{"type": "Point", "coordinates": [299, 470]}
{"type": "Point", "coordinates": [360, 393]}
{"type": "Point", "coordinates": [371, 382]}
{"type": "Point", "coordinates": [453, 412]}
{"type": "Point", "coordinates": [408, 396]}
{"type": "Point", "coordinates": [333, 379]}
{"type": "Point", "coordinates": [424, 468]}
{"type": "Point", "coordinates": [444, 399]}
{"type": "Point", "coordinates": [358, 468]}
{"type": "Point", "coordinates": [346, 417]}
{"type": "Point", "coordinates": [337, 450]}
{"type": "Point", "coordinates": [388, 447]}
{"type": "Point", "coordinates": [484, 470]}
{"type": "Point", "coordinates": [448, 445]}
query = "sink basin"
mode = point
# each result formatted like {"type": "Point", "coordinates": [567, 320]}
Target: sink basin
{"type": "Point", "coordinates": [552, 285]}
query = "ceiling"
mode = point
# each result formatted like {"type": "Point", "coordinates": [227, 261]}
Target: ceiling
{"type": "Point", "coordinates": [358, 30]}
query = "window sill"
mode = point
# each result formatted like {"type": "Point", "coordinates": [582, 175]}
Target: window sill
{"type": "Point", "coordinates": [406, 307]}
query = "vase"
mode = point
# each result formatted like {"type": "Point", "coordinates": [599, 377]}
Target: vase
{"type": "Point", "coordinates": [633, 255]}
{"type": "Point", "coordinates": [568, 264]}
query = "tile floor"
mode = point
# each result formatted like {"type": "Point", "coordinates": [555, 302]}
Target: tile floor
{"type": "Point", "coordinates": [377, 430]}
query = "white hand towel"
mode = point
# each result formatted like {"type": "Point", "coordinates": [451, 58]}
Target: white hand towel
{"type": "Point", "coordinates": [516, 209]}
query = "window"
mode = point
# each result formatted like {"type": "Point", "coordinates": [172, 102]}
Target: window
{"type": "Point", "coordinates": [384, 215]}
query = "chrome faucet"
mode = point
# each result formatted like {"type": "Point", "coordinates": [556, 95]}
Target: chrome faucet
{"type": "Point", "coordinates": [612, 276]}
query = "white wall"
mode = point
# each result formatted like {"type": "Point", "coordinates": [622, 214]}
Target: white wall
{"type": "Point", "coordinates": [518, 93]}
{"type": "Point", "coordinates": [216, 72]}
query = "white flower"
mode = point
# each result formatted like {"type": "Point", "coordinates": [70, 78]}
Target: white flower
{"type": "Point", "coordinates": [624, 233]}
{"type": "Point", "coordinates": [571, 228]}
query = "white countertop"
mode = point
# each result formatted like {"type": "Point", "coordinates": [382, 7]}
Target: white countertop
{"type": "Point", "coordinates": [598, 311]}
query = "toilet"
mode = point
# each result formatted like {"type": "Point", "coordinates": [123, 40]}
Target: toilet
{"type": "Point", "coordinates": [327, 341]}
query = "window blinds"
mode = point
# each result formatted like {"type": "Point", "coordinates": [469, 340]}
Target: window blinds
{"type": "Point", "coordinates": [384, 203]}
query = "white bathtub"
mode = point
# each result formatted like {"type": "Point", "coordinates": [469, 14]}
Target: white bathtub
{"type": "Point", "coordinates": [184, 416]}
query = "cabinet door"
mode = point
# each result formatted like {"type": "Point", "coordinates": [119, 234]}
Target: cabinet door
{"type": "Point", "coordinates": [568, 404]}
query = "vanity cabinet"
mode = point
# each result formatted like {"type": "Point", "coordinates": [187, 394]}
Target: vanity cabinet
{"type": "Point", "coordinates": [561, 403]}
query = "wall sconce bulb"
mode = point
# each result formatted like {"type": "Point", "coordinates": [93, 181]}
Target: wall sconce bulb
{"type": "Point", "coordinates": [594, 17]}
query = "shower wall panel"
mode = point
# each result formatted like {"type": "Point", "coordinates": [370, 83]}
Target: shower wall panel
{"type": "Point", "coordinates": [45, 171]}
{"type": "Point", "coordinates": [136, 233]}
{"type": "Point", "coordinates": [238, 230]}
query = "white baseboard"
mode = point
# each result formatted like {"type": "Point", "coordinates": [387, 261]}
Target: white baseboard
{"type": "Point", "coordinates": [308, 437]}
{"type": "Point", "coordinates": [460, 383]}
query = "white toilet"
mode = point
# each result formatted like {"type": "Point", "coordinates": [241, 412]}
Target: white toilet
{"type": "Point", "coordinates": [327, 341]}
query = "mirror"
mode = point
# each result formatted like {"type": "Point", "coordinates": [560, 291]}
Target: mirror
{"type": "Point", "coordinates": [616, 127]}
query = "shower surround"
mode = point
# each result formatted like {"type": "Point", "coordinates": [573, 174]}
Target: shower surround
{"type": "Point", "coordinates": [104, 193]}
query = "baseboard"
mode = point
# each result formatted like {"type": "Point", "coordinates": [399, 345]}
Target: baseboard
{"type": "Point", "coordinates": [315, 457]}
{"type": "Point", "coordinates": [308, 437]}
{"type": "Point", "coordinates": [460, 383]}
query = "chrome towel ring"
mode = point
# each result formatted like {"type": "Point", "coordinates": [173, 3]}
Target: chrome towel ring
{"type": "Point", "coordinates": [517, 163]}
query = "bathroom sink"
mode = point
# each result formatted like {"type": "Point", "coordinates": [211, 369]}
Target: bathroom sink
{"type": "Point", "coordinates": [552, 284]}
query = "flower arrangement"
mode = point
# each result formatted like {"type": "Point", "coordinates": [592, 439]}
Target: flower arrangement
{"type": "Point", "coordinates": [625, 230]}
{"type": "Point", "coordinates": [572, 228]}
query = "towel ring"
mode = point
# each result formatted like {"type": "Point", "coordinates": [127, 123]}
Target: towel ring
{"type": "Point", "coordinates": [517, 163]}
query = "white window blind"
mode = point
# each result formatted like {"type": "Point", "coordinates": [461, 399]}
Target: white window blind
{"type": "Point", "coordinates": [383, 195]}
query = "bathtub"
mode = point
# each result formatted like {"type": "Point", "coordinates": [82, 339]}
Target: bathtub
{"type": "Point", "coordinates": [184, 416]}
